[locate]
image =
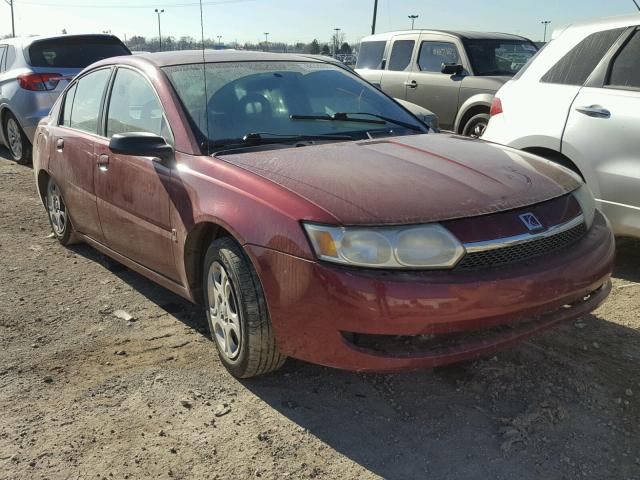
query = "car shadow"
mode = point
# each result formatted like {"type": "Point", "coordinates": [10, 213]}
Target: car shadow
{"type": "Point", "coordinates": [503, 417]}
{"type": "Point", "coordinates": [627, 259]}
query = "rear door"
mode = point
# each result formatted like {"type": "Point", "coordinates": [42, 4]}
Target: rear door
{"type": "Point", "coordinates": [603, 134]}
{"type": "Point", "coordinates": [398, 66]}
{"type": "Point", "coordinates": [73, 158]}
{"type": "Point", "coordinates": [428, 86]}
{"type": "Point", "coordinates": [132, 191]}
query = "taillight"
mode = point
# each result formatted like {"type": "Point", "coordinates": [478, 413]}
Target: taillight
{"type": "Point", "coordinates": [496, 107]}
{"type": "Point", "coordinates": [39, 81]}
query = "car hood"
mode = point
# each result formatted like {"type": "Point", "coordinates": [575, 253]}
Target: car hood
{"type": "Point", "coordinates": [411, 179]}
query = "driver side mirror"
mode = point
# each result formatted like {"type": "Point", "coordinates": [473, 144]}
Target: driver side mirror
{"type": "Point", "coordinates": [452, 68]}
{"type": "Point", "coordinates": [141, 144]}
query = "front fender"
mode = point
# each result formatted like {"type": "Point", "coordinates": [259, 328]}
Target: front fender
{"type": "Point", "coordinates": [477, 100]}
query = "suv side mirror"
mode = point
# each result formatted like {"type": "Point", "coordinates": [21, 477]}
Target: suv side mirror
{"type": "Point", "coordinates": [142, 144]}
{"type": "Point", "coordinates": [452, 68]}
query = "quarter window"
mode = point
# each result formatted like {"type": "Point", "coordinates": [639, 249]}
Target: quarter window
{"type": "Point", "coordinates": [371, 54]}
{"type": "Point", "coordinates": [134, 106]}
{"type": "Point", "coordinates": [87, 99]}
{"type": "Point", "coordinates": [401, 55]}
{"type": "Point", "coordinates": [434, 54]}
{"type": "Point", "coordinates": [3, 58]}
{"type": "Point", "coordinates": [577, 65]}
{"type": "Point", "coordinates": [68, 103]}
{"type": "Point", "coordinates": [625, 71]}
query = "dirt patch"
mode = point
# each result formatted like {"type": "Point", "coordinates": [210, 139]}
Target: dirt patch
{"type": "Point", "coordinates": [106, 375]}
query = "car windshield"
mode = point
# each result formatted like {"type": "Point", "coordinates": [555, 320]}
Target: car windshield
{"type": "Point", "coordinates": [285, 99]}
{"type": "Point", "coordinates": [74, 52]}
{"type": "Point", "coordinates": [499, 57]}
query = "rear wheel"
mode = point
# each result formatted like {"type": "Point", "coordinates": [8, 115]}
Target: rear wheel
{"type": "Point", "coordinates": [58, 213]}
{"type": "Point", "coordinates": [18, 143]}
{"type": "Point", "coordinates": [476, 125]}
{"type": "Point", "coordinates": [237, 312]}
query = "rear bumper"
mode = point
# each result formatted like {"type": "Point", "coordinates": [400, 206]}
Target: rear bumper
{"type": "Point", "coordinates": [312, 305]}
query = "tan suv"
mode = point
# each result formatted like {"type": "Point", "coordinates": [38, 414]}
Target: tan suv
{"type": "Point", "coordinates": [453, 74]}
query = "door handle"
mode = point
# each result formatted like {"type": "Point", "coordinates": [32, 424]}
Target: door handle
{"type": "Point", "coordinates": [60, 144]}
{"type": "Point", "coordinates": [411, 84]}
{"type": "Point", "coordinates": [103, 162]}
{"type": "Point", "coordinates": [595, 111]}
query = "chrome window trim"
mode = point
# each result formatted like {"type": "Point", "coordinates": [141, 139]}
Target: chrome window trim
{"type": "Point", "coordinates": [485, 245]}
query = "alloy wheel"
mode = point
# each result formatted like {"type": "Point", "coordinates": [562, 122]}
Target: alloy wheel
{"type": "Point", "coordinates": [57, 209]}
{"type": "Point", "coordinates": [15, 138]}
{"type": "Point", "coordinates": [478, 130]}
{"type": "Point", "coordinates": [224, 315]}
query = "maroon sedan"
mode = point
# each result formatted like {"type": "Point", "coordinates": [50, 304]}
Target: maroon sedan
{"type": "Point", "coordinates": [314, 216]}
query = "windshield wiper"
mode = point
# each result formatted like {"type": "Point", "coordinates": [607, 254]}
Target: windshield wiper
{"type": "Point", "coordinates": [268, 138]}
{"type": "Point", "coordinates": [345, 117]}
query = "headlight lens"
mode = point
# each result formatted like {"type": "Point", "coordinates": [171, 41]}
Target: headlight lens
{"type": "Point", "coordinates": [423, 247]}
{"type": "Point", "coordinates": [587, 203]}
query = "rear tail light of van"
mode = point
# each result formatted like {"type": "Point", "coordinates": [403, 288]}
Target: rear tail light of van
{"type": "Point", "coordinates": [39, 81]}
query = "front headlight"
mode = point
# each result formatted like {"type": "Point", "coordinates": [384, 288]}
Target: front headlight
{"type": "Point", "coordinates": [587, 203]}
{"type": "Point", "coordinates": [418, 247]}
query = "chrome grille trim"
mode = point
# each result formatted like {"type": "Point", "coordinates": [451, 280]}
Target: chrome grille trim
{"type": "Point", "coordinates": [485, 245]}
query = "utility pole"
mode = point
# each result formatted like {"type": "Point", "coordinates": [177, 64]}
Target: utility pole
{"type": "Point", "coordinates": [545, 23]}
{"type": "Point", "coordinates": [335, 42]}
{"type": "Point", "coordinates": [413, 19]}
{"type": "Point", "coordinates": [266, 41]}
{"type": "Point", "coordinates": [159, 33]}
{"type": "Point", "coordinates": [13, 25]}
{"type": "Point", "coordinates": [375, 14]}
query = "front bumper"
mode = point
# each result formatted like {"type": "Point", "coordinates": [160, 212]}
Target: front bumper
{"type": "Point", "coordinates": [317, 308]}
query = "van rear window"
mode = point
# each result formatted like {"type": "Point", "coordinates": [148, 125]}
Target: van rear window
{"type": "Point", "coordinates": [74, 52]}
{"type": "Point", "coordinates": [371, 54]}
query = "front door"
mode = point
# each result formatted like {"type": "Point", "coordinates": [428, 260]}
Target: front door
{"type": "Point", "coordinates": [131, 191]}
{"type": "Point", "coordinates": [428, 86]}
{"type": "Point", "coordinates": [603, 135]}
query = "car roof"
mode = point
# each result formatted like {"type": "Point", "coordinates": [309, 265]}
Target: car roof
{"type": "Point", "coordinates": [183, 57]}
{"type": "Point", "coordinates": [607, 23]}
{"type": "Point", "coordinates": [27, 41]}
{"type": "Point", "coordinates": [462, 34]}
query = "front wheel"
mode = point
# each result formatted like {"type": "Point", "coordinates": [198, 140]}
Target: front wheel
{"type": "Point", "coordinates": [17, 141]}
{"type": "Point", "coordinates": [237, 312]}
{"type": "Point", "coordinates": [476, 125]}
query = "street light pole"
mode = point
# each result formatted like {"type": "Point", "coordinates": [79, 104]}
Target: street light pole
{"type": "Point", "coordinates": [335, 42]}
{"type": "Point", "coordinates": [545, 23]}
{"type": "Point", "coordinates": [413, 19]}
{"type": "Point", "coordinates": [13, 25]}
{"type": "Point", "coordinates": [159, 33]}
{"type": "Point", "coordinates": [266, 41]}
{"type": "Point", "coordinates": [219, 39]}
{"type": "Point", "coordinates": [375, 14]}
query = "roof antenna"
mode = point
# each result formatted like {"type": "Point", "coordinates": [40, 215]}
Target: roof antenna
{"type": "Point", "coordinates": [636, 3]}
{"type": "Point", "coordinates": [204, 76]}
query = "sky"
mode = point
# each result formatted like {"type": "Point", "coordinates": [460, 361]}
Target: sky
{"type": "Point", "coordinates": [297, 20]}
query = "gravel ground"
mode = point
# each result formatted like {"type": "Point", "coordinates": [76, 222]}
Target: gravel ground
{"type": "Point", "coordinates": [87, 394]}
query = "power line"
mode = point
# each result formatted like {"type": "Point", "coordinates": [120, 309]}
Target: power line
{"type": "Point", "coordinates": [163, 5]}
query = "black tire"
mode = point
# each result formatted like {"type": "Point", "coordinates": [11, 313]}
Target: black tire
{"type": "Point", "coordinates": [22, 152]}
{"type": "Point", "coordinates": [257, 352]}
{"type": "Point", "coordinates": [53, 202]}
{"type": "Point", "coordinates": [476, 125]}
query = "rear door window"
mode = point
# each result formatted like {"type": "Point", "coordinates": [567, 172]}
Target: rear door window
{"type": "Point", "coordinates": [577, 65]}
{"type": "Point", "coordinates": [371, 54]}
{"type": "Point", "coordinates": [401, 53]}
{"type": "Point", "coordinates": [434, 54]}
{"type": "Point", "coordinates": [625, 69]}
{"type": "Point", "coordinates": [75, 51]}
{"type": "Point", "coordinates": [85, 111]}
{"type": "Point", "coordinates": [68, 103]}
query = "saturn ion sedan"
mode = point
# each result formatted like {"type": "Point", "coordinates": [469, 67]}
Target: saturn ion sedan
{"type": "Point", "coordinates": [312, 215]}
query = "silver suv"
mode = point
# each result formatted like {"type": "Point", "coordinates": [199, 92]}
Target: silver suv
{"type": "Point", "coordinates": [33, 72]}
{"type": "Point", "coordinates": [453, 74]}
